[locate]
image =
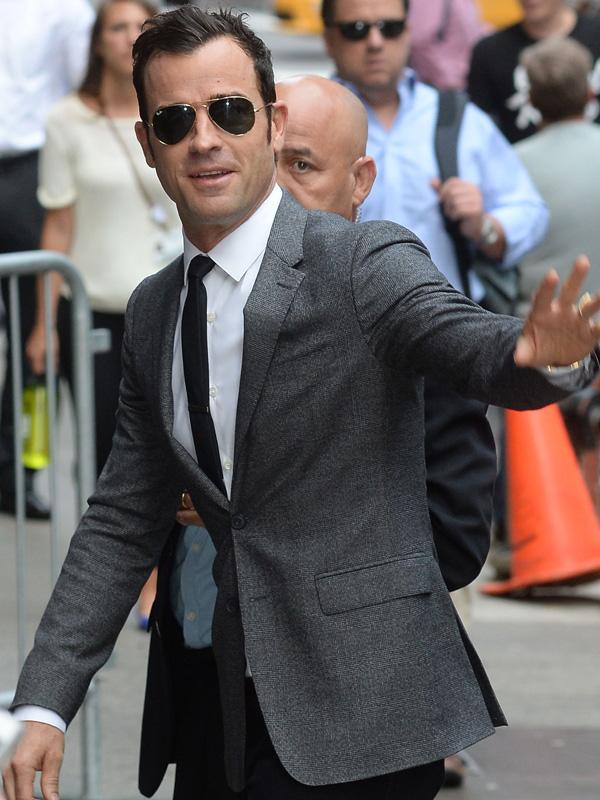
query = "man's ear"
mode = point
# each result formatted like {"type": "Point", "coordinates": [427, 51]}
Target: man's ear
{"type": "Point", "coordinates": [364, 170]}
{"type": "Point", "coordinates": [279, 116]}
{"type": "Point", "coordinates": [141, 132]}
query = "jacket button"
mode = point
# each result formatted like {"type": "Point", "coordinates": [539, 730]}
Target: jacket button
{"type": "Point", "coordinates": [238, 521]}
{"type": "Point", "coordinates": [233, 606]}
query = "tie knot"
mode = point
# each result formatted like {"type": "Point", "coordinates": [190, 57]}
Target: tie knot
{"type": "Point", "coordinates": [200, 266]}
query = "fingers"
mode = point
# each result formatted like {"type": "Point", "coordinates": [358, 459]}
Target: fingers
{"type": "Point", "coordinates": [24, 776]}
{"type": "Point", "coordinates": [591, 307]}
{"type": "Point", "coordinates": [524, 352]}
{"type": "Point", "coordinates": [572, 285]}
{"type": "Point", "coordinates": [190, 517]}
{"type": "Point", "coordinates": [187, 514]}
{"type": "Point", "coordinates": [50, 773]}
{"type": "Point", "coordinates": [545, 292]}
{"type": "Point", "coordinates": [8, 782]}
{"type": "Point", "coordinates": [40, 748]}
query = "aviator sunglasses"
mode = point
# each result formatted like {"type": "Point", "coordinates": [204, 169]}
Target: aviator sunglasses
{"type": "Point", "coordinates": [358, 29]}
{"type": "Point", "coordinates": [234, 115]}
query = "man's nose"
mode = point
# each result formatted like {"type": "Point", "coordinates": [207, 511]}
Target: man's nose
{"type": "Point", "coordinates": [375, 38]}
{"type": "Point", "coordinates": [205, 135]}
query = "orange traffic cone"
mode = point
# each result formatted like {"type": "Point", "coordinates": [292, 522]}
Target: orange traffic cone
{"type": "Point", "coordinates": [554, 529]}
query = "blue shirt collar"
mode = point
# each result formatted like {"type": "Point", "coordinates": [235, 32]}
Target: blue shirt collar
{"type": "Point", "coordinates": [406, 91]}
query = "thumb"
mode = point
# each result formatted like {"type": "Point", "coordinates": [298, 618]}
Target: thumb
{"type": "Point", "coordinates": [436, 184]}
{"type": "Point", "coordinates": [50, 772]}
{"type": "Point", "coordinates": [524, 352]}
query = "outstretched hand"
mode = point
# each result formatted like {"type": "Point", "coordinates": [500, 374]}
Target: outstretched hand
{"type": "Point", "coordinates": [557, 331]}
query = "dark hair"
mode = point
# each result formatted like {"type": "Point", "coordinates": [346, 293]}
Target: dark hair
{"type": "Point", "coordinates": [91, 83]}
{"type": "Point", "coordinates": [184, 30]}
{"type": "Point", "coordinates": [328, 11]}
{"type": "Point", "coordinates": [558, 70]}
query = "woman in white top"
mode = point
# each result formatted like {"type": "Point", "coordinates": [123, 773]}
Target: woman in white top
{"type": "Point", "coordinates": [104, 207]}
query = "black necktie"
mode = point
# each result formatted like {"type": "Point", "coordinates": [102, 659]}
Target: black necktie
{"type": "Point", "coordinates": [195, 365]}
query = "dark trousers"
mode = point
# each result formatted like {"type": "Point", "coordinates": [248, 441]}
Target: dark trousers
{"type": "Point", "coordinates": [198, 750]}
{"type": "Point", "coordinates": [107, 373]}
{"type": "Point", "coordinates": [21, 219]}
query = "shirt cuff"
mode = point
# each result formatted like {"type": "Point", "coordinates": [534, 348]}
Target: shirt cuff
{"type": "Point", "coordinates": [571, 379]}
{"type": "Point", "coordinates": [39, 714]}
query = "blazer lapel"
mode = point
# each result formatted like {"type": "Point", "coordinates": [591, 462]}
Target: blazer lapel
{"type": "Point", "coordinates": [169, 310]}
{"type": "Point", "coordinates": [266, 309]}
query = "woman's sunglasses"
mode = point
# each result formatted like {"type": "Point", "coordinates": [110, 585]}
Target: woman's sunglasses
{"type": "Point", "coordinates": [234, 115]}
{"type": "Point", "coordinates": [359, 29]}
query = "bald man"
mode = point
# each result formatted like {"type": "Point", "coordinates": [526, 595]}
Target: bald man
{"type": "Point", "coordinates": [323, 162]}
{"type": "Point", "coordinates": [324, 165]}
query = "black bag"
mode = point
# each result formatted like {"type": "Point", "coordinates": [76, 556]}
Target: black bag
{"type": "Point", "coordinates": [501, 285]}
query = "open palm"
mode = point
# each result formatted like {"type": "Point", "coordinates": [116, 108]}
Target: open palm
{"type": "Point", "coordinates": [557, 331]}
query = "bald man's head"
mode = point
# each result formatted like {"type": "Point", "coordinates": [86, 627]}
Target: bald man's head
{"type": "Point", "coordinates": [323, 162]}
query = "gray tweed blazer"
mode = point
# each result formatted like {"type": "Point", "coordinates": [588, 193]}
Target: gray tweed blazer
{"type": "Point", "coordinates": [327, 573]}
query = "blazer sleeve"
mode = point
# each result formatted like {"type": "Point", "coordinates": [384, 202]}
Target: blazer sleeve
{"type": "Point", "coordinates": [460, 456]}
{"type": "Point", "coordinates": [413, 320]}
{"type": "Point", "coordinates": [111, 554]}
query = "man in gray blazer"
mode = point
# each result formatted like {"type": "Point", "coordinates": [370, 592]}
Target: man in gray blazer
{"type": "Point", "coordinates": [292, 415]}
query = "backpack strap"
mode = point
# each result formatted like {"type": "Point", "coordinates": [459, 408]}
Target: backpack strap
{"type": "Point", "coordinates": [450, 114]}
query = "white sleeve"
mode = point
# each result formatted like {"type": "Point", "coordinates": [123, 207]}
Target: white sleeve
{"type": "Point", "coordinates": [39, 714]}
{"type": "Point", "coordinates": [57, 182]}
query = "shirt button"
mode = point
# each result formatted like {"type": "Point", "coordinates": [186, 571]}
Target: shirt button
{"type": "Point", "coordinates": [213, 391]}
{"type": "Point", "coordinates": [227, 465]}
{"type": "Point", "coordinates": [190, 616]}
{"type": "Point", "coordinates": [211, 317]}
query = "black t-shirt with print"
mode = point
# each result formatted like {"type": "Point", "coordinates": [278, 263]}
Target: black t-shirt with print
{"type": "Point", "coordinates": [499, 86]}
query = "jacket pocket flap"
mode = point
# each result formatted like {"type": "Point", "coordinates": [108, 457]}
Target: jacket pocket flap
{"type": "Point", "coordinates": [373, 584]}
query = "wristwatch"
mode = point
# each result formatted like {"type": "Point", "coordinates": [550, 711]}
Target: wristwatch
{"type": "Point", "coordinates": [489, 232]}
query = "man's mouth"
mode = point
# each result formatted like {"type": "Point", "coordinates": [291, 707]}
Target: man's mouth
{"type": "Point", "coordinates": [210, 173]}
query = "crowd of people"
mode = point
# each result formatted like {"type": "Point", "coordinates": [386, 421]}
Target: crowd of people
{"type": "Point", "coordinates": [499, 186]}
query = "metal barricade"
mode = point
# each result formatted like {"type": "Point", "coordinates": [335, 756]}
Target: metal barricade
{"type": "Point", "coordinates": [12, 267]}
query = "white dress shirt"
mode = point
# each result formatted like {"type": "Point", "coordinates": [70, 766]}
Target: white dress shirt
{"type": "Point", "coordinates": [43, 54]}
{"type": "Point", "coordinates": [228, 285]}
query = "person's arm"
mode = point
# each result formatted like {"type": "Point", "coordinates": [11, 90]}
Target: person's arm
{"type": "Point", "coordinates": [114, 549]}
{"type": "Point", "coordinates": [460, 458]}
{"type": "Point", "coordinates": [57, 235]}
{"type": "Point", "coordinates": [412, 319]}
{"type": "Point", "coordinates": [463, 202]}
{"type": "Point", "coordinates": [509, 199]}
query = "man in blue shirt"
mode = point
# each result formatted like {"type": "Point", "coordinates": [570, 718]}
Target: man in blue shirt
{"type": "Point", "coordinates": [493, 200]}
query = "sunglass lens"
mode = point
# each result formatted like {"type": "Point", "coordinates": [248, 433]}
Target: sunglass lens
{"type": "Point", "coordinates": [354, 31]}
{"type": "Point", "coordinates": [232, 114]}
{"type": "Point", "coordinates": [392, 28]}
{"type": "Point", "coordinates": [173, 123]}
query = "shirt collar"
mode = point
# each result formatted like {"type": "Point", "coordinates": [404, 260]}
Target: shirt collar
{"type": "Point", "coordinates": [406, 90]}
{"type": "Point", "coordinates": [236, 253]}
